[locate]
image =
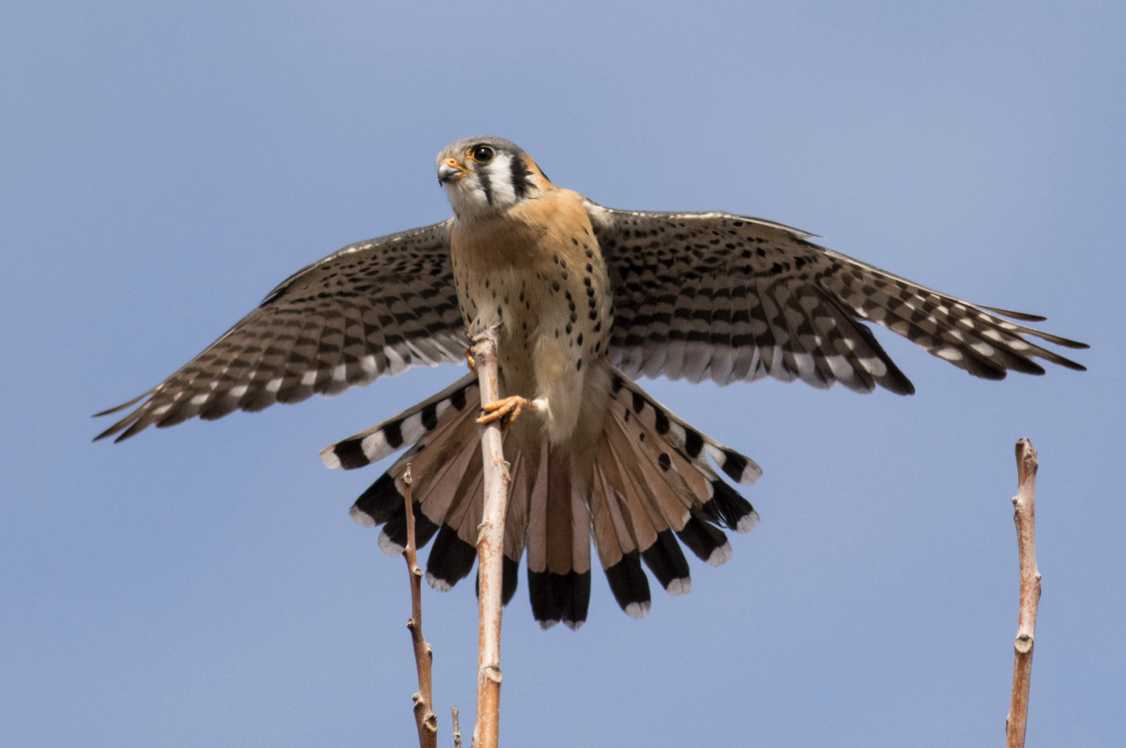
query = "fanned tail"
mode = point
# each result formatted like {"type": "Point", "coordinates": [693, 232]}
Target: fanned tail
{"type": "Point", "coordinates": [652, 485]}
{"type": "Point", "coordinates": [645, 485]}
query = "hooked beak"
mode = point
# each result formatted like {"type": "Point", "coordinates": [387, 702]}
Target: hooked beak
{"type": "Point", "coordinates": [450, 171]}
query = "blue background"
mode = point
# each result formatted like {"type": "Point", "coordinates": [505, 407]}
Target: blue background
{"type": "Point", "coordinates": [162, 166]}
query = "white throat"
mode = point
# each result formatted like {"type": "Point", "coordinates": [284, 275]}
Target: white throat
{"type": "Point", "coordinates": [488, 191]}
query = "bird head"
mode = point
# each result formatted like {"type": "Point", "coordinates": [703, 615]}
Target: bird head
{"type": "Point", "coordinates": [486, 176]}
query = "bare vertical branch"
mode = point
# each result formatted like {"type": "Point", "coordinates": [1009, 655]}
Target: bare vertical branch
{"type": "Point", "coordinates": [424, 717]}
{"type": "Point", "coordinates": [490, 550]}
{"type": "Point", "coordinates": [457, 727]}
{"type": "Point", "coordinates": [1024, 514]}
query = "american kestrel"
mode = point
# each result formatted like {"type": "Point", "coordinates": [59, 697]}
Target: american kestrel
{"type": "Point", "coordinates": [586, 298]}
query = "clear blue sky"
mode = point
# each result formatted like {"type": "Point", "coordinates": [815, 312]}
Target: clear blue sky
{"type": "Point", "coordinates": [162, 166]}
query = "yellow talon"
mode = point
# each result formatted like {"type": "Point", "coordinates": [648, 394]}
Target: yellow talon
{"type": "Point", "coordinates": [507, 410]}
{"type": "Point", "coordinates": [472, 362]}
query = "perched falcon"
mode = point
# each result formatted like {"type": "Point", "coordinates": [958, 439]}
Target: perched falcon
{"type": "Point", "coordinates": [585, 298]}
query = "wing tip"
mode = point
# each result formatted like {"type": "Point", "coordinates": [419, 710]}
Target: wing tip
{"type": "Point", "coordinates": [1022, 316]}
{"type": "Point", "coordinates": [123, 406]}
{"type": "Point", "coordinates": [1072, 344]}
{"type": "Point", "coordinates": [105, 434]}
{"type": "Point", "coordinates": [128, 423]}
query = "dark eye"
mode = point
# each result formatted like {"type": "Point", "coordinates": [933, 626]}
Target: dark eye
{"type": "Point", "coordinates": [482, 154]}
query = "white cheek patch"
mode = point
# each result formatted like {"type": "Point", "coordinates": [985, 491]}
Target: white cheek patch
{"type": "Point", "coordinates": [500, 180]}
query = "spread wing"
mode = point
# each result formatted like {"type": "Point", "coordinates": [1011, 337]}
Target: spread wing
{"type": "Point", "coordinates": [731, 298]}
{"type": "Point", "coordinates": [374, 308]}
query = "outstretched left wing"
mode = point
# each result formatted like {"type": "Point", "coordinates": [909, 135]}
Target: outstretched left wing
{"type": "Point", "coordinates": [371, 309]}
{"type": "Point", "coordinates": [730, 298]}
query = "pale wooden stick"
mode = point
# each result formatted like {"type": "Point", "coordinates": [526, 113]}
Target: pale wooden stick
{"type": "Point", "coordinates": [457, 728]}
{"type": "Point", "coordinates": [424, 717]}
{"type": "Point", "coordinates": [1024, 514]}
{"type": "Point", "coordinates": [490, 550]}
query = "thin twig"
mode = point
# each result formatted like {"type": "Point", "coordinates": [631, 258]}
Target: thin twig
{"type": "Point", "coordinates": [424, 717]}
{"type": "Point", "coordinates": [457, 728]}
{"type": "Point", "coordinates": [1024, 514]}
{"type": "Point", "coordinates": [490, 550]}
